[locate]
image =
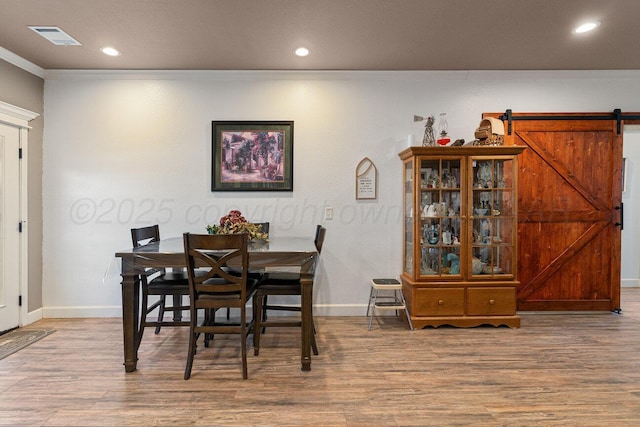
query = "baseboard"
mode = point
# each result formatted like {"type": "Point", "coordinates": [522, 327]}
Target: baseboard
{"type": "Point", "coordinates": [328, 310]}
{"type": "Point", "coordinates": [33, 316]}
{"type": "Point", "coordinates": [81, 312]}
{"type": "Point", "coordinates": [116, 311]}
{"type": "Point", "coordinates": [336, 310]}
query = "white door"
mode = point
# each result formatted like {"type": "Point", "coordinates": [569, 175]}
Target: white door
{"type": "Point", "coordinates": [9, 227]}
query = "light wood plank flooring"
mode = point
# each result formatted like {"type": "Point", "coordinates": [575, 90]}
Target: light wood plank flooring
{"type": "Point", "coordinates": [556, 370]}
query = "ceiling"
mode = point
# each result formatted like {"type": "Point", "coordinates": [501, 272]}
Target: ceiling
{"type": "Point", "coordinates": [341, 34]}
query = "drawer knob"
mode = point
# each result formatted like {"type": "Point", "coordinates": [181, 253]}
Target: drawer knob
{"type": "Point", "coordinates": [440, 302]}
{"type": "Point", "coordinates": [492, 301]}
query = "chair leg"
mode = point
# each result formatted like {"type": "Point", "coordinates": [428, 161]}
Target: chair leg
{"type": "Point", "coordinates": [177, 302]}
{"type": "Point", "coordinates": [314, 346]}
{"type": "Point", "coordinates": [259, 303]}
{"type": "Point", "coordinates": [264, 311]}
{"type": "Point", "coordinates": [163, 300]}
{"type": "Point", "coordinates": [370, 297]}
{"type": "Point", "coordinates": [373, 308]}
{"type": "Point", "coordinates": [191, 351]}
{"type": "Point", "coordinates": [209, 319]}
{"type": "Point", "coordinates": [143, 319]}
{"type": "Point", "coordinates": [257, 310]}
{"type": "Point", "coordinates": [243, 340]}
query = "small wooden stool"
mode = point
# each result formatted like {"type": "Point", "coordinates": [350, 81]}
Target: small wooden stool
{"type": "Point", "coordinates": [387, 302]}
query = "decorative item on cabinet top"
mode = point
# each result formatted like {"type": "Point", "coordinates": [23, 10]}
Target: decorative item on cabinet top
{"type": "Point", "coordinates": [443, 130]}
{"type": "Point", "coordinates": [490, 132]}
{"type": "Point", "coordinates": [429, 139]}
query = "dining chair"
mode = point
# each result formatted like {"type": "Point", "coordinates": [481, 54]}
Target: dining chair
{"type": "Point", "coordinates": [254, 273]}
{"type": "Point", "coordinates": [212, 287]}
{"type": "Point", "coordinates": [278, 283]}
{"type": "Point", "coordinates": [162, 283]}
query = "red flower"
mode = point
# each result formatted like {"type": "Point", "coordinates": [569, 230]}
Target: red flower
{"type": "Point", "coordinates": [234, 222]}
{"type": "Point", "coordinates": [233, 217]}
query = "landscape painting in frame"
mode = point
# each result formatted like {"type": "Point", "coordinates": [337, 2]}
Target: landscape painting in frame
{"type": "Point", "coordinates": [252, 156]}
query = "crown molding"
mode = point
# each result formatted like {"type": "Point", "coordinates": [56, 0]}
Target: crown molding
{"type": "Point", "coordinates": [15, 115]}
{"type": "Point", "coordinates": [20, 62]}
{"type": "Point", "coordinates": [403, 75]}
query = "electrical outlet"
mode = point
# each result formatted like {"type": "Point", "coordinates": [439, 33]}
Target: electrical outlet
{"type": "Point", "coordinates": [328, 213]}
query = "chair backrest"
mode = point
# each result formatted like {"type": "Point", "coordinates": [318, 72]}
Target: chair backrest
{"type": "Point", "coordinates": [211, 254]}
{"type": "Point", "coordinates": [319, 240]}
{"type": "Point", "coordinates": [145, 235]}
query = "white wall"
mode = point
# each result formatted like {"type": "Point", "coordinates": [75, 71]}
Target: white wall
{"type": "Point", "coordinates": [630, 272]}
{"type": "Point", "coordinates": [124, 149]}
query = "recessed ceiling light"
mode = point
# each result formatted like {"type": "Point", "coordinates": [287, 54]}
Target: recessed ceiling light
{"type": "Point", "coordinates": [302, 51]}
{"type": "Point", "coordinates": [110, 51]}
{"type": "Point", "coordinates": [586, 27]}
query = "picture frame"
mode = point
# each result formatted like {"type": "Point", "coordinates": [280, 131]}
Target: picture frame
{"type": "Point", "coordinates": [252, 156]}
{"type": "Point", "coordinates": [366, 180]}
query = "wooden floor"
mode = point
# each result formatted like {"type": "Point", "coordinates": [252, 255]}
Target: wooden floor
{"type": "Point", "coordinates": [556, 370]}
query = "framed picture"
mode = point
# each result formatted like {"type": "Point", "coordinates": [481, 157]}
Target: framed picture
{"type": "Point", "coordinates": [252, 156]}
{"type": "Point", "coordinates": [366, 180]}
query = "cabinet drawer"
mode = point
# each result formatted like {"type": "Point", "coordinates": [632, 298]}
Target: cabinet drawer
{"type": "Point", "coordinates": [439, 302]}
{"type": "Point", "coordinates": [491, 301]}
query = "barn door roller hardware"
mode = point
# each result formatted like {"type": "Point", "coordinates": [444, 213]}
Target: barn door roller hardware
{"type": "Point", "coordinates": [615, 115]}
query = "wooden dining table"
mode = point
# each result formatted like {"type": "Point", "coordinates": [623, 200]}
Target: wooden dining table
{"type": "Point", "coordinates": [169, 253]}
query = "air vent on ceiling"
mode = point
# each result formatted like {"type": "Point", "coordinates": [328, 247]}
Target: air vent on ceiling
{"type": "Point", "coordinates": [56, 36]}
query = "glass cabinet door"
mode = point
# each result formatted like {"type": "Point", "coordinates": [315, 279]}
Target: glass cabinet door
{"type": "Point", "coordinates": [440, 224]}
{"type": "Point", "coordinates": [408, 217]}
{"type": "Point", "coordinates": [493, 225]}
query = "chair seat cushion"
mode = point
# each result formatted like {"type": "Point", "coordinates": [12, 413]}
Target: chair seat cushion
{"type": "Point", "coordinates": [280, 287]}
{"type": "Point", "coordinates": [172, 277]}
{"type": "Point", "coordinates": [167, 288]}
{"type": "Point", "coordinates": [278, 281]}
{"type": "Point", "coordinates": [282, 276]}
{"type": "Point", "coordinates": [256, 274]}
{"type": "Point", "coordinates": [169, 283]}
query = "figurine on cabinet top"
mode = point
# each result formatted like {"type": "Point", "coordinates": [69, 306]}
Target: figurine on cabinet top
{"type": "Point", "coordinates": [443, 128]}
{"type": "Point", "coordinates": [489, 132]}
{"type": "Point", "coordinates": [429, 139]}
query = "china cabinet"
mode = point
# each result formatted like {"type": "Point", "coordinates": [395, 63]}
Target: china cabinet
{"type": "Point", "coordinates": [460, 235]}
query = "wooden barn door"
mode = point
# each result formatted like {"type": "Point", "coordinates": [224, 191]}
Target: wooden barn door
{"type": "Point", "coordinates": [569, 206]}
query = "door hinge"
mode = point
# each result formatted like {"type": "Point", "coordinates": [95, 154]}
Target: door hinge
{"type": "Point", "coordinates": [20, 301]}
{"type": "Point", "coordinates": [19, 153]}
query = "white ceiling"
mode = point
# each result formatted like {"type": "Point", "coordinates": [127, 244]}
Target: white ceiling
{"type": "Point", "coordinates": [341, 34]}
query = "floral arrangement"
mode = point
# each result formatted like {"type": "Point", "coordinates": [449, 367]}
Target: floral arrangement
{"type": "Point", "coordinates": [235, 223]}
